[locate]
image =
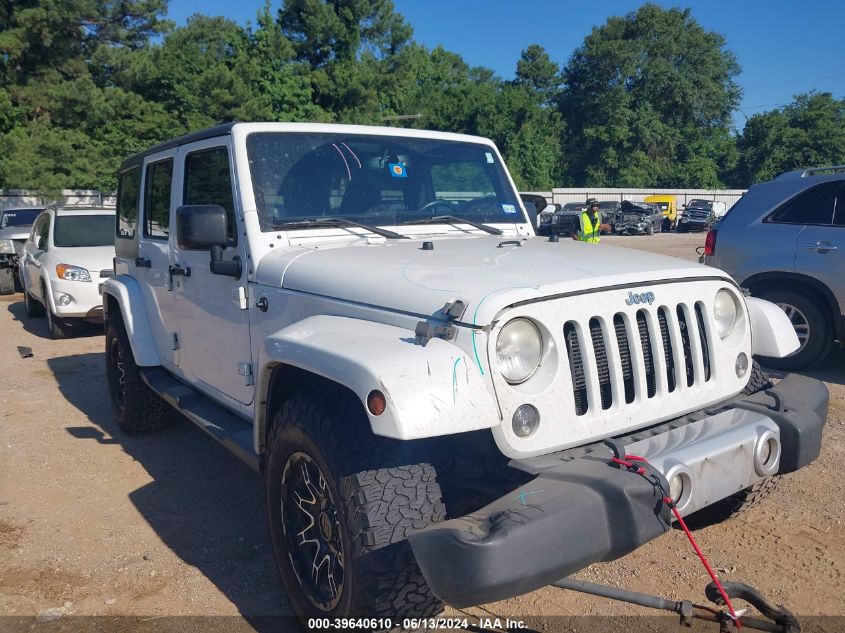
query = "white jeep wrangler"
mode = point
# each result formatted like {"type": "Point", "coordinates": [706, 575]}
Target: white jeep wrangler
{"type": "Point", "coordinates": [366, 316]}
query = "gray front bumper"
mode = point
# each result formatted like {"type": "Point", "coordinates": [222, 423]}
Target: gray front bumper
{"type": "Point", "coordinates": [580, 509]}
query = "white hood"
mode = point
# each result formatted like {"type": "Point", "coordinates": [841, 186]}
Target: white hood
{"type": "Point", "coordinates": [488, 273]}
{"type": "Point", "coordinates": [92, 258]}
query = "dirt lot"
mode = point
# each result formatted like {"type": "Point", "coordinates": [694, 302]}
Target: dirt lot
{"type": "Point", "coordinates": [95, 522]}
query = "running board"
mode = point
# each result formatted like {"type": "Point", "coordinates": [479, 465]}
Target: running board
{"type": "Point", "coordinates": [228, 429]}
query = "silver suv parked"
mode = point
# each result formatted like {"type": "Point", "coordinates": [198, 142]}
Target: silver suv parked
{"type": "Point", "coordinates": [785, 242]}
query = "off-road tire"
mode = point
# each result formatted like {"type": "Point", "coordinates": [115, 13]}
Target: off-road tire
{"type": "Point", "coordinates": [379, 494]}
{"type": "Point", "coordinates": [820, 342]}
{"type": "Point", "coordinates": [747, 498]}
{"type": "Point", "coordinates": [138, 409]}
{"type": "Point", "coordinates": [34, 308]}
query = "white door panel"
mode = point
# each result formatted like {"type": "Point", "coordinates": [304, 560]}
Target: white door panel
{"type": "Point", "coordinates": [152, 265]}
{"type": "Point", "coordinates": [214, 337]}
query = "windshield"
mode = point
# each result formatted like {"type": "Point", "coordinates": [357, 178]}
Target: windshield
{"type": "Point", "coordinates": [83, 230]}
{"type": "Point", "coordinates": [19, 217]}
{"type": "Point", "coordinates": [700, 204]}
{"type": "Point", "coordinates": [377, 180]}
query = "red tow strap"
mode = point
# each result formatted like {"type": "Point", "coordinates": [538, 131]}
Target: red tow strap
{"type": "Point", "coordinates": [629, 462]}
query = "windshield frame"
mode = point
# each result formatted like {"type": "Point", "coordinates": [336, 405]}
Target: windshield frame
{"type": "Point", "coordinates": [506, 191]}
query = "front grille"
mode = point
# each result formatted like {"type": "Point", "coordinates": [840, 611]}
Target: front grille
{"type": "Point", "coordinates": [106, 273]}
{"type": "Point", "coordinates": [673, 353]}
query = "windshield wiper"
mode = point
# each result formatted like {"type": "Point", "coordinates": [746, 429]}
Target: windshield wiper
{"type": "Point", "coordinates": [343, 222]}
{"type": "Point", "coordinates": [453, 219]}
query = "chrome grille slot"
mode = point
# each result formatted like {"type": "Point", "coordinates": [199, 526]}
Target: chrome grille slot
{"type": "Point", "coordinates": [685, 339]}
{"type": "Point", "coordinates": [648, 354]}
{"type": "Point", "coordinates": [576, 365]}
{"type": "Point", "coordinates": [667, 349]}
{"type": "Point", "coordinates": [624, 357]}
{"type": "Point", "coordinates": [600, 350]}
{"type": "Point", "coordinates": [702, 336]}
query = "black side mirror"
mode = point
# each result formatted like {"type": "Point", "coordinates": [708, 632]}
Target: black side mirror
{"type": "Point", "coordinates": [205, 227]}
{"type": "Point", "coordinates": [200, 227]}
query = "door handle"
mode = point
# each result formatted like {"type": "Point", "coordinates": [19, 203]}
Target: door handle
{"type": "Point", "coordinates": [822, 247]}
{"type": "Point", "coordinates": [142, 262]}
{"type": "Point", "coordinates": [178, 271]}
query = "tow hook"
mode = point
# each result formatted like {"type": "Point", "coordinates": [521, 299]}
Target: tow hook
{"type": "Point", "coordinates": [779, 620]}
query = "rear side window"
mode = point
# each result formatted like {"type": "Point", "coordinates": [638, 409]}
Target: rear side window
{"type": "Point", "coordinates": [128, 193]}
{"type": "Point", "coordinates": [157, 199]}
{"type": "Point", "coordinates": [207, 181]}
{"type": "Point", "coordinates": [817, 205]}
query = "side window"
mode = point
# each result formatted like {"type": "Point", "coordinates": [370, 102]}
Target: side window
{"type": "Point", "coordinates": [128, 193]}
{"type": "Point", "coordinates": [839, 208]}
{"type": "Point", "coordinates": [44, 231]}
{"type": "Point", "coordinates": [39, 230]}
{"type": "Point", "coordinates": [157, 199]}
{"type": "Point", "coordinates": [814, 206]}
{"type": "Point", "coordinates": [207, 181]}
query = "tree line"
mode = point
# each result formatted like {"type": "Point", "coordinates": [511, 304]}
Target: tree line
{"type": "Point", "coordinates": [647, 100]}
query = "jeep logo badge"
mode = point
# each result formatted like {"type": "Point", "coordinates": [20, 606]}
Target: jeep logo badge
{"type": "Point", "coordinates": [641, 297]}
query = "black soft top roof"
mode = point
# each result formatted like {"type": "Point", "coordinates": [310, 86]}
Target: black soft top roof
{"type": "Point", "coordinates": [218, 130]}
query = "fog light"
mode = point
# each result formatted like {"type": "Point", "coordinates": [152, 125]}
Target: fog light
{"type": "Point", "coordinates": [767, 454]}
{"type": "Point", "coordinates": [64, 300]}
{"type": "Point", "coordinates": [526, 419]}
{"type": "Point", "coordinates": [676, 487]}
{"type": "Point", "coordinates": [741, 364]}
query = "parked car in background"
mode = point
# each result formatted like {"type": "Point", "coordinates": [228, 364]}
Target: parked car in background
{"type": "Point", "coordinates": [698, 215]}
{"type": "Point", "coordinates": [784, 241]}
{"type": "Point", "coordinates": [669, 207]}
{"type": "Point", "coordinates": [638, 218]}
{"type": "Point", "coordinates": [68, 255]}
{"type": "Point", "coordinates": [15, 226]}
{"type": "Point", "coordinates": [609, 210]}
{"type": "Point", "coordinates": [566, 217]}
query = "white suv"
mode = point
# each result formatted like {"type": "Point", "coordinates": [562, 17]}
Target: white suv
{"type": "Point", "coordinates": [365, 316]}
{"type": "Point", "coordinates": [68, 255]}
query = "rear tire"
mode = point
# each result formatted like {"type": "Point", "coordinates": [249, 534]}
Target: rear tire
{"type": "Point", "coordinates": [747, 498]}
{"type": "Point", "coordinates": [809, 318]}
{"type": "Point", "coordinates": [368, 494]}
{"type": "Point", "coordinates": [136, 408]}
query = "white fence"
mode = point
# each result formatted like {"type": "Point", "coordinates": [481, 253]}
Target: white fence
{"type": "Point", "coordinates": [19, 199]}
{"type": "Point", "coordinates": [564, 195]}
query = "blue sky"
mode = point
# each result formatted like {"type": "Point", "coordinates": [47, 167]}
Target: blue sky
{"type": "Point", "coordinates": [783, 46]}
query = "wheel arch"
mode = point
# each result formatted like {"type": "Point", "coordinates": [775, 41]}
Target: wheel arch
{"type": "Point", "coordinates": [806, 285]}
{"type": "Point", "coordinates": [122, 297]}
{"type": "Point", "coordinates": [430, 390]}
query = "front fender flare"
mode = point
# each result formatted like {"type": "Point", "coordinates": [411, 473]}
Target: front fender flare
{"type": "Point", "coordinates": [125, 290]}
{"type": "Point", "coordinates": [430, 390]}
{"type": "Point", "coordinates": [772, 333]}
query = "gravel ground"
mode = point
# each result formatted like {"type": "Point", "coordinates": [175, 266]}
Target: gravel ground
{"type": "Point", "coordinates": [93, 522]}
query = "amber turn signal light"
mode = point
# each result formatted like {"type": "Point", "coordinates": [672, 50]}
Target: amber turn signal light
{"type": "Point", "coordinates": [376, 402]}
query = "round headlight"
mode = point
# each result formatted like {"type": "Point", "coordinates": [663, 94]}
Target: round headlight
{"type": "Point", "coordinates": [725, 312]}
{"type": "Point", "coordinates": [518, 350]}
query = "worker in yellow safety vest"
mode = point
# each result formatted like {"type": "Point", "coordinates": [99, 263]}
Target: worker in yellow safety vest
{"type": "Point", "coordinates": [589, 225]}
